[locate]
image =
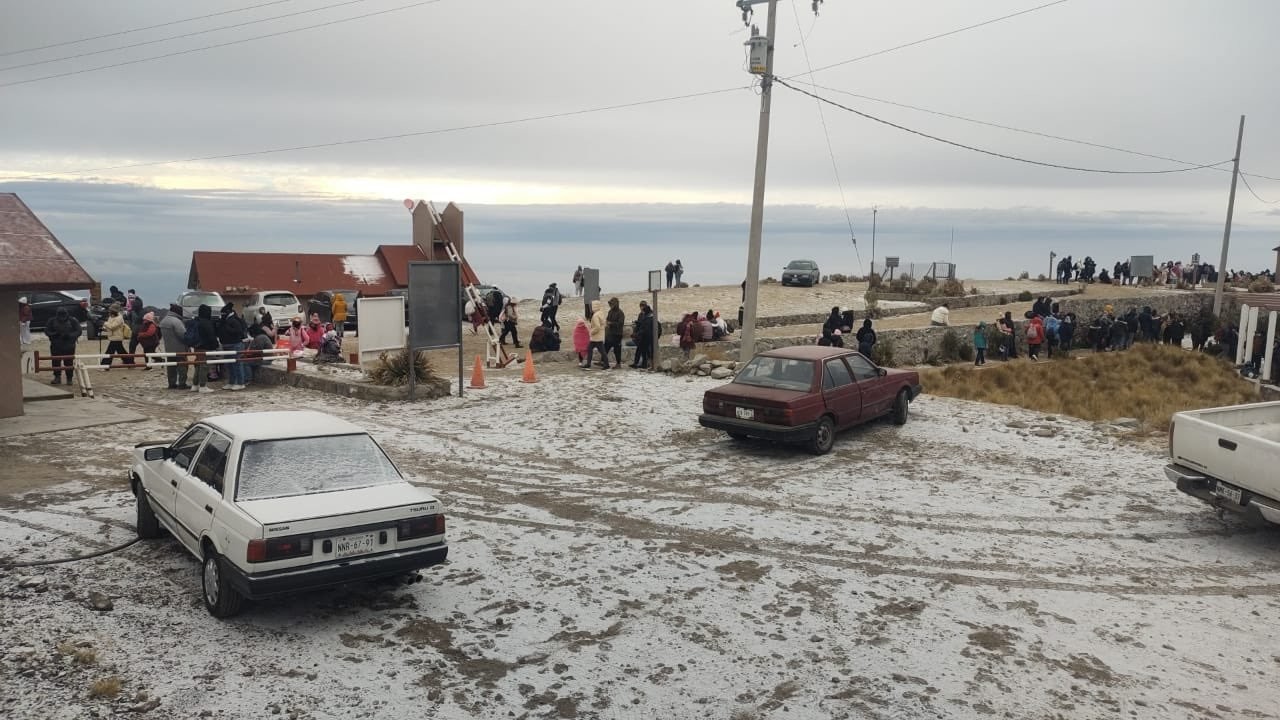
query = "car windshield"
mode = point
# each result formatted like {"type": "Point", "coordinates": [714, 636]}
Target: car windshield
{"type": "Point", "coordinates": [280, 299]}
{"type": "Point", "coordinates": [213, 300]}
{"type": "Point", "coordinates": [305, 466]}
{"type": "Point", "coordinates": [779, 373]}
{"type": "Point", "coordinates": [800, 265]}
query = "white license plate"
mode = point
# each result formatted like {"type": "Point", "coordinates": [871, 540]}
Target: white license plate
{"type": "Point", "coordinates": [349, 545]}
{"type": "Point", "coordinates": [745, 413]}
{"type": "Point", "coordinates": [1226, 492]}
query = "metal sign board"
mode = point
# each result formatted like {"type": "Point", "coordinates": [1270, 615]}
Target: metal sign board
{"type": "Point", "coordinates": [891, 262]}
{"type": "Point", "coordinates": [381, 327]}
{"type": "Point", "coordinates": [1140, 266]}
{"type": "Point", "coordinates": [590, 286]}
{"type": "Point", "coordinates": [655, 280]}
{"type": "Point", "coordinates": [435, 305]}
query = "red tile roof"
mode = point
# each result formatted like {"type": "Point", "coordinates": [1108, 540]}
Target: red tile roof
{"type": "Point", "coordinates": [31, 258]}
{"type": "Point", "coordinates": [397, 259]}
{"type": "Point", "coordinates": [304, 274]}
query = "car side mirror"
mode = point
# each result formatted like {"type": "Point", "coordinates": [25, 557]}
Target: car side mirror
{"type": "Point", "coordinates": [156, 453]}
{"type": "Point", "coordinates": [881, 372]}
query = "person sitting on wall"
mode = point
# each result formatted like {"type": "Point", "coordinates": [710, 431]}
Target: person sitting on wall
{"type": "Point", "coordinates": [941, 316]}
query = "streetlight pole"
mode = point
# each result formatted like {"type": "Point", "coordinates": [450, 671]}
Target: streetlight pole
{"type": "Point", "coordinates": [748, 345]}
{"type": "Point", "coordinates": [1226, 233]}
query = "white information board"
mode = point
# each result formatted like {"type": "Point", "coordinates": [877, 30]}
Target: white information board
{"type": "Point", "coordinates": [382, 326]}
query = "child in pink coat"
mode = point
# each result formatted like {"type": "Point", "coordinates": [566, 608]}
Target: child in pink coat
{"type": "Point", "coordinates": [581, 339]}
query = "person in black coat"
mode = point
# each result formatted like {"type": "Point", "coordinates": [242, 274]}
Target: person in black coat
{"type": "Point", "coordinates": [833, 320]}
{"type": "Point", "coordinates": [866, 338]}
{"type": "Point", "coordinates": [642, 333]}
{"type": "Point", "coordinates": [208, 341]}
{"type": "Point", "coordinates": [63, 331]}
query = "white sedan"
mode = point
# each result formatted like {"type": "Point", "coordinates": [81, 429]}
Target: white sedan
{"type": "Point", "coordinates": [276, 502]}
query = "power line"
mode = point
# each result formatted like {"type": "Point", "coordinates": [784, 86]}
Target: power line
{"type": "Point", "coordinates": [1024, 131]}
{"type": "Point", "coordinates": [835, 167]}
{"type": "Point", "coordinates": [1254, 194]}
{"type": "Point", "coordinates": [140, 29]}
{"type": "Point", "coordinates": [179, 37]}
{"type": "Point", "coordinates": [397, 136]}
{"type": "Point", "coordinates": [992, 153]}
{"type": "Point", "coordinates": [937, 37]}
{"type": "Point", "coordinates": [219, 45]}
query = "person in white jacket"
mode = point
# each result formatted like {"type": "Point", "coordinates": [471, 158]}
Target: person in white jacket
{"type": "Point", "coordinates": [941, 316]}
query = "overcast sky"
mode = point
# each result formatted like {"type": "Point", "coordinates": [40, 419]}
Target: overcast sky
{"type": "Point", "coordinates": [1167, 77]}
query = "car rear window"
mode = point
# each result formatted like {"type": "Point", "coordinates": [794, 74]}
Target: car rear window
{"type": "Point", "coordinates": [279, 299]}
{"type": "Point", "coordinates": [779, 373]}
{"type": "Point", "coordinates": [212, 300]}
{"type": "Point", "coordinates": [305, 466]}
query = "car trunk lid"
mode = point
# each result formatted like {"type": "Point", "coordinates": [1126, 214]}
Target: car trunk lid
{"type": "Point", "coordinates": [341, 508]}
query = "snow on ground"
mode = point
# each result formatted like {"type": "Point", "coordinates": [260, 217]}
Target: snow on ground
{"type": "Point", "coordinates": [611, 559]}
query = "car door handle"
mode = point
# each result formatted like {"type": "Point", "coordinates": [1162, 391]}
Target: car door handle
{"type": "Point", "coordinates": [1223, 443]}
{"type": "Point", "coordinates": [208, 509]}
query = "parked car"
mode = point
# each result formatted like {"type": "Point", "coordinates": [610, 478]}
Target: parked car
{"type": "Point", "coordinates": [321, 304]}
{"type": "Point", "coordinates": [801, 272]}
{"type": "Point", "coordinates": [282, 305]}
{"type": "Point", "coordinates": [276, 502]}
{"type": "Point", "coordinates": [191, 300]}
{"type": "Point", "coordinates": [1227, 457]}
{"type": "Point", "coordinates": [45, 303]}
{"type": "Point", "coordinates": [806, 394]}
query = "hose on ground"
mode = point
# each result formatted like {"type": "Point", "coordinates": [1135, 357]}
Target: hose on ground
{"type": "Point", "coordinates": [59, 561]}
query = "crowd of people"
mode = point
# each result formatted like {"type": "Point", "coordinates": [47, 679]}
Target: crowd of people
{"type": "Point", "coordinates": [1170, 272]}
{"type": "Point", "coordinates": [839, 324]}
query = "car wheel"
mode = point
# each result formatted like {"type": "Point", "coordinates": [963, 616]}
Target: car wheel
{"type": "Point", "coordinates": [900, 406]}
{"type": "Point", "coordinates": [824, 436]}
{"type": "Point", "coordinates": [220, 599]}
{"type": "Point", "coordinates": [147, 524]}
{"type": "Point", "coordinates": [737, 436]}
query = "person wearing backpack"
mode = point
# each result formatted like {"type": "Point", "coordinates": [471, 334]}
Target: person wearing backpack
{"type": "Point", "coordinates": [1035, 337]}
{"type": "Point", "coordinates": [866, 337]}
{"type": "Point", "coordinates": [174, 333]}
{"type": "Point", "coordinates": [117, 332]}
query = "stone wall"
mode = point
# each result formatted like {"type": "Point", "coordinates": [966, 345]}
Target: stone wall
{"type": "Point", "coordinates": [983, 300]}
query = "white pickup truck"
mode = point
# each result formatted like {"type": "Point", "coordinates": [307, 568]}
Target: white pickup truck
{"type": "Point", "coordinates": [1229, 457]}
{"type": "Point", "coordinates": [277, 502]}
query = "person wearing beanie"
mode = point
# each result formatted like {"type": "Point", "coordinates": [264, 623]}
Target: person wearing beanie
{"type": "Point", "coordinates": [148, 337]}
{"type": "Point", "coordinates": [615, 323]}
{"type": "Point", "coordinates": [231, 334]}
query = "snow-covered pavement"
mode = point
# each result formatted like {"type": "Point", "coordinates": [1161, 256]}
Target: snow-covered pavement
{"type": "Point", "coordinates": [612, 559]}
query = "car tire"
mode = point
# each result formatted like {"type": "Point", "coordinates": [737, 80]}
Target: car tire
{"type": "Point", "coordinates": [901, 405]}
{"type": "Point", "coordinates": [824, 436]}
{"type": "Point", "coordinates": [220, 599]}
{"type": "Point", "coordinates": [736, 436]}
{"type": "Point", "coordinates": [147, 525]}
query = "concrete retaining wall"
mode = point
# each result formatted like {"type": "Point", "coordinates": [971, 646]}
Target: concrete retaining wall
{"type": "Point", "coordinates": [349, 388]}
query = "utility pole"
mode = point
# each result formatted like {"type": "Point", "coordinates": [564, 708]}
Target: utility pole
{"type": "Point", "coordinates": [748, 346]}
{"type": "Point", "coordinates": [874, 210]}
{"type": "Point", "coordinates": [1226, 233]}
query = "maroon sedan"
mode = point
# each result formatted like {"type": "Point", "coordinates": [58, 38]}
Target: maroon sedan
{"type": "Point", "coordinates": [805, 394]}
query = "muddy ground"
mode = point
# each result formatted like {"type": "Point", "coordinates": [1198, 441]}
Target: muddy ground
{"type": "Point", "coordinates": [611, 559]}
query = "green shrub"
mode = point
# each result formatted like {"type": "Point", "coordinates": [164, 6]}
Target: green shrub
{"type": "Point", "coordinates": [899, 285]}
{"type": "Point", "coordinates": [836, 277]}
{"type": "Point", "coordinates": [1261, 285]}
{"type": "Point", "coordinates": [769, 281]}
{"type": "Point", "coordinates": [951, 287]}
{"type": "Point", "coordinates": [872, 300]}
{"type": "Point", "coordinates": [926, 286]}
{"type": "Point", "coordinates": [1041, 277]}
{"type": "Point", "coordinates": [954, 348]}
{"type": "Point", "coordinates": [882, 353]}
{"type": "Point", "coordinates": [393, 368]}
{"type": "Point", "coordinates": [1025, 296]}
{"type": "Point", "coordinates": [874, 281]}
{"type": "Point", "coordinates": [1024, 275]}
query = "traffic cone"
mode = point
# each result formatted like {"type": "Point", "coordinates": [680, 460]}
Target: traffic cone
{"type": "Point", "coordinates": [477, 376]}
{"type": "Point", "coordinates": [530, 375]}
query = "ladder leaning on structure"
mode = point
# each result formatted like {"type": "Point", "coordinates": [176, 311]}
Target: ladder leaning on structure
{"type": "Point", "coordinates": [494, 354]}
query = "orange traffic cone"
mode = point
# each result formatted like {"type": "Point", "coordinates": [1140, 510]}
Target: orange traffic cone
{"type": "Point", "coordinates": [530, 375]}
{"type": "Point", "coordinates": [477, 376]}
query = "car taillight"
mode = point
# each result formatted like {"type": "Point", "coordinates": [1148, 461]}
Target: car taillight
{"type": "Point", "coordinates": [282, 548]}
{"type": "Point", "coordinates": [420, 527]}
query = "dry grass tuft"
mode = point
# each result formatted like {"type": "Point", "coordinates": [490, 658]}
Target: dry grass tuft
{"type": "Point", "coordinates": [1147, 382]}
{"type": "Point", "coordinates": [81, 653]}
{"type": "Point", "coordinates": [107, 687]}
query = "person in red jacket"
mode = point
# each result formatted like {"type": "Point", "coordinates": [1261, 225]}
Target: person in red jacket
{"type": "Point", "coordinates": [149, 336]}
{"type": "Point", "coordinates": [1035, 337]}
